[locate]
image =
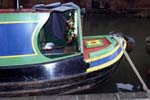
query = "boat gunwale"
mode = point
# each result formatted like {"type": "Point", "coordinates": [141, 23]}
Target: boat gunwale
{"type": "Point", "coordinates": [24, 10]}
{"type": "Point", "coordinates": [58, 79]}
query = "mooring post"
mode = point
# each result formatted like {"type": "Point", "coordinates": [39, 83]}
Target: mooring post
{"type": "Point", "coordinates": [18, 5]}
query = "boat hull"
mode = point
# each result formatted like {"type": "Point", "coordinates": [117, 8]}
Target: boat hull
{"type": "Point", "coordinates": [65, 76]}
{"type": "Point", "coordinates": [39, 81]}
{"type": "Point", "coordinates": [27, 69]}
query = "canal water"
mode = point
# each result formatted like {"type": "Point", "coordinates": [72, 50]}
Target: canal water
{"type": "Point", "coordinates": [123, 79]}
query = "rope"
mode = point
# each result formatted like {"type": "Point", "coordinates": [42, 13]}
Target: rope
{"type": "Point", "coordinates": [132, 65]}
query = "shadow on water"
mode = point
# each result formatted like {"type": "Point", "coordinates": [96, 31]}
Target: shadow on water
{"type": "Point", "coordinates": [123, 79]}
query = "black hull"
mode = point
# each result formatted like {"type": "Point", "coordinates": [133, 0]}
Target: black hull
{"type": "Point", "coordinates": [38, 81]}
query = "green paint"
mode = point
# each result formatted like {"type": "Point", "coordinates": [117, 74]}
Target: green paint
{"type": "Point", "coordinates": [80, 37]}
{"type": "Point", "coordinates": [15, 17]}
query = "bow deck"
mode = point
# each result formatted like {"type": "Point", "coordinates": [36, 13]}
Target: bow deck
{"type": "Point", "coordinates": [101, 51]}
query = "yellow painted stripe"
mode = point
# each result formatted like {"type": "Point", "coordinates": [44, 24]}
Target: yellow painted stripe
{"type": "Point", "coordinates": [92, 42]}
{"type": "Point", "coordinates": [18, 56]}
{"type": "Point", "coordinates": [33, 36]}
{"type": "Point", "coordinates": [102, 56]}
{"type": "Point", "coordinates": [105, 55]}
{"type": "Point", "coordinates": [108, 63]}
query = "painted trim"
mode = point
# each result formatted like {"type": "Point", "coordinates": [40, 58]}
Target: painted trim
{"type": "Point", "coordinates": [105, 59]}
{"type": "Point", "coordinates": [105, 50]}
{"type": "Point", "coordinates": [107, 64]}
{"type": "Point", "coordinates": [33, 38]}
{"type": "Point", "coordinates": [102, 56]}
{"type": "Point", "coordinates": [94, 43]}
{"type": "Point", "coordinates": [18, 56]}
{"type": "Point", "coordinates": [110, 52]}
{"type": "Point", "coordinates": [15, 22]}
{"type": "Point", "coordinates": [80, 31]}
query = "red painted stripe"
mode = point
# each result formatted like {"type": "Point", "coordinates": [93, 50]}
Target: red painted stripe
{"type": "Point", "coordinates": [87, 51]}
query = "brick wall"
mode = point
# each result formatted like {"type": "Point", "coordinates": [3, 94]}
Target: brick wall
{"type": "Point", "coordinates": [143, 4]}
{"type": "Point", "coordinates": [113, 4]}
{"type": "Point", "coordinates": [130, 4]}
{"type": "Point", "coordinates": [30, 3]}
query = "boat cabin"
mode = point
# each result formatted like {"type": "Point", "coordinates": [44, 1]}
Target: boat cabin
{"type": "Point", "coordinates": [48, 33]}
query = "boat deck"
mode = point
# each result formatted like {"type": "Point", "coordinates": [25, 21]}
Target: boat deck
{"type": "Point", "coordinates": [93, 41]}
{"type": "Point", "coordinates": [59, 50]}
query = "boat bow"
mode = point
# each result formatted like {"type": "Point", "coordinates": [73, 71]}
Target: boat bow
{"type": "Point", "coordinates": [102, 51]}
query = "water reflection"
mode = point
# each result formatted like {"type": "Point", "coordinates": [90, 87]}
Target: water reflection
{"type": "Point", "coordinates": [50, 69]}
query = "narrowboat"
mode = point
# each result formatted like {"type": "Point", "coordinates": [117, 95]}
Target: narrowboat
{"type": "Point", "coordinates": [43, 51]}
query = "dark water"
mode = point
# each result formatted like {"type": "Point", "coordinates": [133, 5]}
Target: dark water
{"type": "Point", "coordinates": [97, 24]}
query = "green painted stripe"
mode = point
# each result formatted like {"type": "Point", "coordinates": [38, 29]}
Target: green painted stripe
{"type": "Point", "coordinates": [96, 37]}
{"type": "Point", "coordinates": [80, 37]}
{"type": "Point", "coordinates": [8, 62]}
{"type": "Point", "coordinates": [17, 17]}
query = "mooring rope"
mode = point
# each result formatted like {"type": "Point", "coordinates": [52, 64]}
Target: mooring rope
{"type": "Point", "coordinates": [132, 65]}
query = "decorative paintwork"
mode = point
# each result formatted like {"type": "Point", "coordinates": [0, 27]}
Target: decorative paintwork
{"type": "Point", "coordinates": [95, 49]}
{"type": "Point", "coordinates": [26, 68]}
{"type": "Point", "coordinates": [22, 29]}
{"type": "Point", "coordinates": [34, 56]}
{"type": "Point", "coordinates": [102, 56]}
{"type": "Point", "coordinates": [107, 59]}
{"type": "Point", "coordinates": [93, 43]}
